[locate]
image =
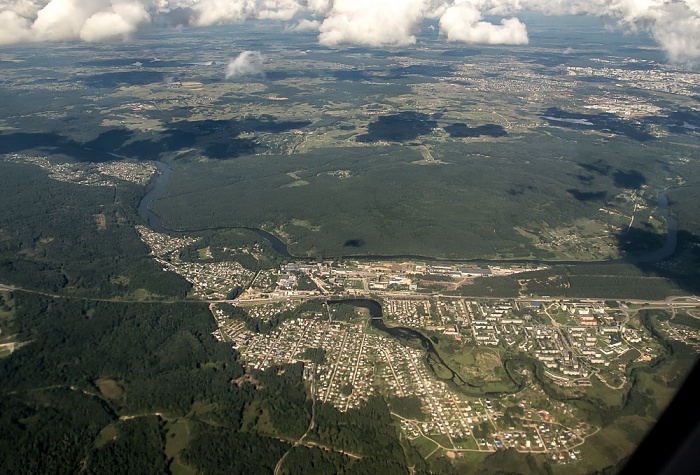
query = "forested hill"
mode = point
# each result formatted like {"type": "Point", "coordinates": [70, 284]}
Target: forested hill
{"type": "Point", "coordinates": [75, 239]}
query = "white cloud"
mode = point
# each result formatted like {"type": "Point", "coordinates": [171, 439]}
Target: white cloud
{"type": "Point", "coordinates": [63, 19]}
{"type": "Point", "coordinates": [248, 63]}
{"type": "Point", "coordinates": [465, 23]}
{"type": "Point", "coordinates": [319, 7]}
{"type": "Point", "coordinates": [678, 32]}
{"type": "Point", "coordinates": [372, 22]}
{"type": "Point", "coordinates": [278, 9]}
{"type": "Point", "coordinates": [121, 22]}
{"type": "Point", "coordinates": [674, 24]}
{"type": "Point", "coordinates": [306, 25]}
{"type": "Point", "coordinates": [69, 19]}
{"type": "Point", "coordinates": [212, 12]}
{"type": "Point", "coordinates": [13, 28]}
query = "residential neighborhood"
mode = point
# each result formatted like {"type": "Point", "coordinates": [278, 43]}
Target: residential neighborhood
{"type": "Point", "coordinates": [359, 361]}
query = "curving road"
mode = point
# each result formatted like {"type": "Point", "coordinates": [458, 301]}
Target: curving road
{"type": "Point", "coordinates": [311, 423]}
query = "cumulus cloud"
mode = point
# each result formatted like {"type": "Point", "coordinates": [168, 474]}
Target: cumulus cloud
{"type": "Point", "coordinates": [674, 24]}
{"type": "Point", "coordinates": [212, 12]}
{"type": "Point", "coordinates": [372, 22]}
{"type": "Point", "coordinates": [69, 19]}
{"type": "Point", "coordinates": [465, 23]}
{"type": "Point", "coordinates": [63, 19]}
{"type": "Point", "coordinates": [680, 36]}
{"type": "Point", "coordinates": [121, 21]}
{"type": "Point", "coordinates": [319, 7]}
{"type": "Point", "coordinates": [248, 63]}
{"type": "Point", "coordinates": [13, 28]}
{"type": "Point", "coordinates": [278, 9]}
{"type": "Point", "coordinates": [306, 25]}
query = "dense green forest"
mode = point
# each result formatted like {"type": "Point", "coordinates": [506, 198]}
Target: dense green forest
{"type": "Point", "coordinates": [258, 325]}
{"type": "Point", "coordinates": [50, 240]}
{"type": "Point", "coordinates": [138, 444]}
{"type": "Point", "coordinates": [467, 208]}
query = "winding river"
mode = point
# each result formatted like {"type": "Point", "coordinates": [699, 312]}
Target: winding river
{"type": "Point", "coordinates": [156, 224]}
{"type": "Point", "coordinates": [403, 333]}
{"type": "Point", "coordinates": [159, 184]}
{"type": "Point", "coordinates": [434, 361]}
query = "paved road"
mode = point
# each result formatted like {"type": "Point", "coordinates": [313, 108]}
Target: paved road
{"type": "Point", "coordinates": [311, 424]}
{"type": "Point", "coordinates": [689, 301]}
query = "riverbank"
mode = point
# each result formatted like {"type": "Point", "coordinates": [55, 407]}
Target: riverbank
{"type": "Point", "coordinates": [155, 222]}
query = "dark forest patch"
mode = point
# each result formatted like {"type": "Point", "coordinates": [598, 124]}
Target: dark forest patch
{"type": "Point", "coordinates": [588, 195]}
{"type": "Point", "coordinates": [604, 122]}
{"type": "Point", "coordinates": [354, 243]}
{"type": "Point", "coordinates": [629, 179]}
{"type": "Point", "coordinates": [401, 127]}
{"type": "Point", "coordinates": [463, 130]}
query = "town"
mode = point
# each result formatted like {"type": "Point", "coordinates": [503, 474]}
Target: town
{"type": "Point", "coordinates": [580, 343]}
{"type": "Point", "coordinates": [299, 313]}
{"type": "Point", "coordinates": [210, 280]}
{"type": "Point", "coordinates": [91, 174]}
{"type": "Point", "coordinates": [216, 280]}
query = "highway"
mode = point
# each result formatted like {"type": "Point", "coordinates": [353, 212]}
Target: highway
{"type": "Point", "coordinates": [690, 301]}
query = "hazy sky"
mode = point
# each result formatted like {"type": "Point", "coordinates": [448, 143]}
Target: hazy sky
{"type": "Point", "coordinates": [674, 24]}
